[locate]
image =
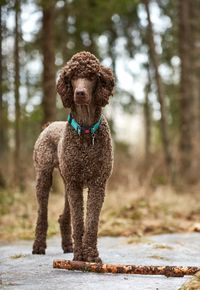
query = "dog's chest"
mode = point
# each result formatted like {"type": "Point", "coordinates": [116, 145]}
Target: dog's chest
{"type": "Point", "coordinates": [86, 161]}
{"type": "Point", "coordinates": [86, 158]}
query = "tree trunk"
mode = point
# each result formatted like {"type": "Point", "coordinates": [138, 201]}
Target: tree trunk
{"type": "Point", "coordinates": [194, 73]}
{"type": "Point", "coordinates": [49, 75]}
{"type": "Point", "coordinates": [147, 119]}
{"type": "Point", "coordinates": [160, 94]}
{"type": "Point", "coordinates": [187, 84]}
{"type": "Point", "coordinates": [17, 152]}
{"type": "Point", "coordinates": [2, 133]}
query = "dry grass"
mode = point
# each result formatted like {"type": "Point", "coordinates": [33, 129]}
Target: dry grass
{"type": "Point", "coordinates": [125, 212]}
{"type": "Point", "coordinates": [161, 211]}
{"type": "Point", "coordinates": [138, 202]}
{"type": "Point", "coordinates": [193, 283]}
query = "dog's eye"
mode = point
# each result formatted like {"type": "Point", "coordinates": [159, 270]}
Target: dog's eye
{"type": "Point", "coordinates": [93, 77]}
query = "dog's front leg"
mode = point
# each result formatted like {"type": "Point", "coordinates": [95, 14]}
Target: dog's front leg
{"type": "Point", "coordinates": [95, 200]}
{"type": "Point", "coordinates": [75, 194]}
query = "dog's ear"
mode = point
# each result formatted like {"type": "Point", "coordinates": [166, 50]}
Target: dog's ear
{"type": "Point", "coordinates": [105, 85]}
{"type": "Point", "coordinates": [64, 89]}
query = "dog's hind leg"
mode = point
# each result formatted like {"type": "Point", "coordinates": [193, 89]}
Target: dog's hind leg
{"type": "Point", "coordinates": [43, 185]}
{"type": "Point", "coordinates": [65, 227]}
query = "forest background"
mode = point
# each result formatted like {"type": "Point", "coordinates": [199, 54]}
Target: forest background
{"type": "Point", "coordinates": [153, 48]}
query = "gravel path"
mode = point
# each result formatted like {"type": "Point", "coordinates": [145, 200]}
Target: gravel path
{"type": "Point", "coordinates": [19, 269]}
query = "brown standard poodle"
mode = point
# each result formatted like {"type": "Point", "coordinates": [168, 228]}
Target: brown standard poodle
{"type": "Point", "coordinates": [82, 151]}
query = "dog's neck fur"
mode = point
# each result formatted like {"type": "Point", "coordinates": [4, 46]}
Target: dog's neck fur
{"type": "Point", "coordinates": [86, 115]}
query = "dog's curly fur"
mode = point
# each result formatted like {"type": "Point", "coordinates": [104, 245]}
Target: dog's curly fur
{"type": "Point", "coordinates": [80, 163]}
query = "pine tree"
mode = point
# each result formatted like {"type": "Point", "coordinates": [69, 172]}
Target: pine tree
{"type": "Point", "coordinates": [49, 70]}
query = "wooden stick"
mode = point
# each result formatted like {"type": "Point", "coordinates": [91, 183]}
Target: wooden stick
{"type": "Point", "coordinates": [169, 271]}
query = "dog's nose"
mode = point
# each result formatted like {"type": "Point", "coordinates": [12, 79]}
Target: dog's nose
{"type": "Point", "coordinates": [80, 93]}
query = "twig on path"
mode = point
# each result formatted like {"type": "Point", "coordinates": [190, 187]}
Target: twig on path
{"type": "Point", "coordinates": [169, 271]}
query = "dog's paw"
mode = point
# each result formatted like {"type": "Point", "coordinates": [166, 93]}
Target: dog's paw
{"type": "Point", "coordinates": [91, 255]}
{"type": "Point", "coordinates": [67, 249]}
{"type": "Point", "coordinates": [78, 257]}
{"type": "Point", "coordinates": [38, 251]}
{"type": "Point", "coordinates": [92, 259]}
{"type": "Point", "coordinates": [39, 248]}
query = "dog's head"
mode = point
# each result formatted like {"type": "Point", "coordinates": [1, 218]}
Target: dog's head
{"type": "Point", "coordinates": [84, 80]}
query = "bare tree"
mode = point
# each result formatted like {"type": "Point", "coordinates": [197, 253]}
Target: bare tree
{"type": "Point", "coordinates": [194, 72]}
{"type": "Point", "coordinates": [160, 94]}
{"type": "Point", "coordinates": [2, 129]}
{"type": "Point", "coordinates": [48, 50]}
{"type": "Point", "coordinates": [187, 85]}
{"type": "Point", "coordinates": [147, 118]}
{"type": "Point", "coordinates": [2, 135]}
{"type": "Point", "coordinates": [17, 152]}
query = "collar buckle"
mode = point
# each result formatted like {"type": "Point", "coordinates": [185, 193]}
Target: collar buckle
{"type": "Point", "coordinates": [78, 130]}
{"type": "Point", "coordinates": [93, 136]}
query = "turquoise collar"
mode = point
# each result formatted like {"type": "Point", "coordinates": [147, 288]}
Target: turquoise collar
{"type": "Point", "coordinates": [81, 129]}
